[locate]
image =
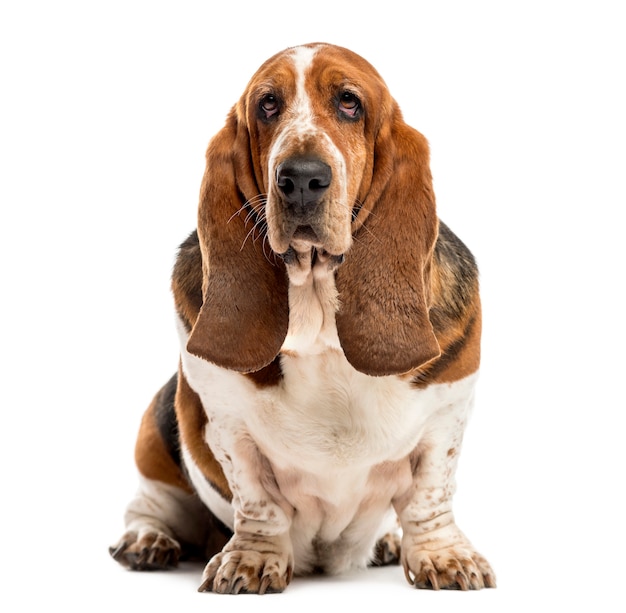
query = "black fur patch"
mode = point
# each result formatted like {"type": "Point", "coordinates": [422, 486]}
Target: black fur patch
{"type": "Point", "coordinates": [187, 278]}
{"type": "Point", "coordinates": [454, 258]}
{"type": "Point", "coordinates": [165, 416]}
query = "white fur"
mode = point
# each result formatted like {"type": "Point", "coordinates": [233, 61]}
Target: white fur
{"type": "Point", "coordinates": [159, 507]}
{"type": "Point", "coordinates": [322, 459]}
{"type": "Point", "coordinates": [322, 464]}
{"type": "Point", "coordinates": [221, 508]}
{"type": "Point", "coordinates": [300, 112]}
{"type": "Point", "coordinates": [336, 441]}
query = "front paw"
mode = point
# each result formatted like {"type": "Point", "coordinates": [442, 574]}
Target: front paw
{"type": "Point", "coordinates": [149, 550]}
{"type": "Point", "coordinates": [247, 571]}
{"type": "Point", "coordinates": [454, 567]}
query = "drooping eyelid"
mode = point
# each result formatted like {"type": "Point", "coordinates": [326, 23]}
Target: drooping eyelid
{"type": "Point", "coordinates": [349, 87]}
{"type": "Point", "coordinates": [347, 96]}
{"type": "Point", "coordinates": [263, 95]}
{"type": "Point", "coordinates": [358, 98]}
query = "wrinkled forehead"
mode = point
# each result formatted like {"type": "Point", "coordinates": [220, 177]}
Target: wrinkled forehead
{"type": "Point", "coordinates": [318, 68]}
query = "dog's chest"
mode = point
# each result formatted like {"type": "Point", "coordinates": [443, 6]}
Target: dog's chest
{"type": "Point", "coordinates": [324, 413]}
{"type": "Point", "coordinates": [334, 441]}
{"type": "Point", "coordinates": [324, 416]}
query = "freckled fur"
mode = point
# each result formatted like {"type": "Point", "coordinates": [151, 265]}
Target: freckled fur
{"type": "Point", "coordinates": [321, 397]}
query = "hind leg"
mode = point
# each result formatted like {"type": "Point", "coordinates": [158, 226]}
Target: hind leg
{"type": "Point", "coordinates": [165, 521]}
{"type": "Point", "coordinates": [161, 521]}
{"type": "Point", "coordinates": [387, 550]}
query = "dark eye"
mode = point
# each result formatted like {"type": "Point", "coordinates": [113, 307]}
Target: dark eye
{"type": "Point", "coordinates": [268, 106]}
{"type": "Point", "coordinates": [349, 105]}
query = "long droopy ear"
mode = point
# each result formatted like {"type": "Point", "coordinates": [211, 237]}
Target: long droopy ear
{"type": "Point", "coordinates": [245, 312]}
{"type": "Point", "coordinates": [384, 284]}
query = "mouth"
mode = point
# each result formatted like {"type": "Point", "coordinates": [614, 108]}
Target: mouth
{"type": "Point", "coordinates": [306, 234]}
{"type": "Point", "coordinates": [295, 257]}
{"type": "Point", "coordinates": [305, 243]}
{"type": "Point", "coordinates": [307, 249]}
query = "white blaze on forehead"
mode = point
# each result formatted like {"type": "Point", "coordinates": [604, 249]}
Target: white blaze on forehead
{"type": "Point", "coordinates": [300, 112]}
{"type": "Point", "coordinates": [303, 114]}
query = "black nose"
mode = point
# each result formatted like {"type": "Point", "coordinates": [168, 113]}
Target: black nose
{"type": "Point", "coordinates": [303, 181]}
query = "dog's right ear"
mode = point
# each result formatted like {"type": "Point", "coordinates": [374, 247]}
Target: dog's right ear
{"type": "Point", "coordinates": [385, 285]}
{"type": "Point", "coordinates": [244, 316]}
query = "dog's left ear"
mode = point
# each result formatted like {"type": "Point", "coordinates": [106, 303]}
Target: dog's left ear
{"type": "Point", "coordinates": [245, 311]}
{"type": "Point", "coordinates": [385, 282]}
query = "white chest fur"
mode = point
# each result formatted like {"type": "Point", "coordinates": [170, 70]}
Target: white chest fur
{"type": "Point", "coordinates": [335, 441]}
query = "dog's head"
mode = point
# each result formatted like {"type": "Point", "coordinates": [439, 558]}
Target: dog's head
{"type": "Point", "coordinates": [313, 113]}
{"type": "Point", "coordinates": [316, 158]}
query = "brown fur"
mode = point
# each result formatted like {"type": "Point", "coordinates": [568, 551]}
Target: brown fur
{"type": "Point", "coordinates": [422, 320]}
{"type": "Point", "coordinates": [407, 289]}
{"type": "Point", "coordinates": [192, 421]}
{"type": "Point", "coordinates": [383, 323]}
{"type": "Point", "coordinates": [385, 284]}
{"type": "Point", "coordinates": [152, 456]}
{"type": "Point", "coordinates": [244, 316]}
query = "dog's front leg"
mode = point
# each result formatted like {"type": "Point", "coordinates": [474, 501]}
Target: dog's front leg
{"type": "Point", "coordinates": [259, 557]}
{"type": "Point", "coordinates": [435, 553]}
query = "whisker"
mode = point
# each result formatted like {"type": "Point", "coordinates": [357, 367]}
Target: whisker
{"type": "Point", "coordinates": [245, 240]}
{"type": "Point", "coordinates": [261, 226]}
{"type": "Point", "coordinates": [256, 214]}
{"type": "Point", "coordinates": [255, 207]}
{"type": "Point", "coordinates": [264, 247]}
{"type": "Point", "coordinates": [364, 226]}
{"type": "Point", "coordinates": [251, 215]}
{"type": "Point", "coordinates": [369, 231]}
{"type": "Point", "coordinates": [236, 213]}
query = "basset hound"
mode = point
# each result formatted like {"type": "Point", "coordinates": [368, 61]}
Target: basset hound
{"type": "Point", "coordinates": [330, 336]}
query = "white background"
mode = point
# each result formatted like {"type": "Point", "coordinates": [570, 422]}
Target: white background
{"type": "Point", "coordinates": [106, 110]}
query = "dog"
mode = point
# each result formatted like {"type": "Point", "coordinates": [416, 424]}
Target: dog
{"type": "Point", "coordinates": [330, 331]}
